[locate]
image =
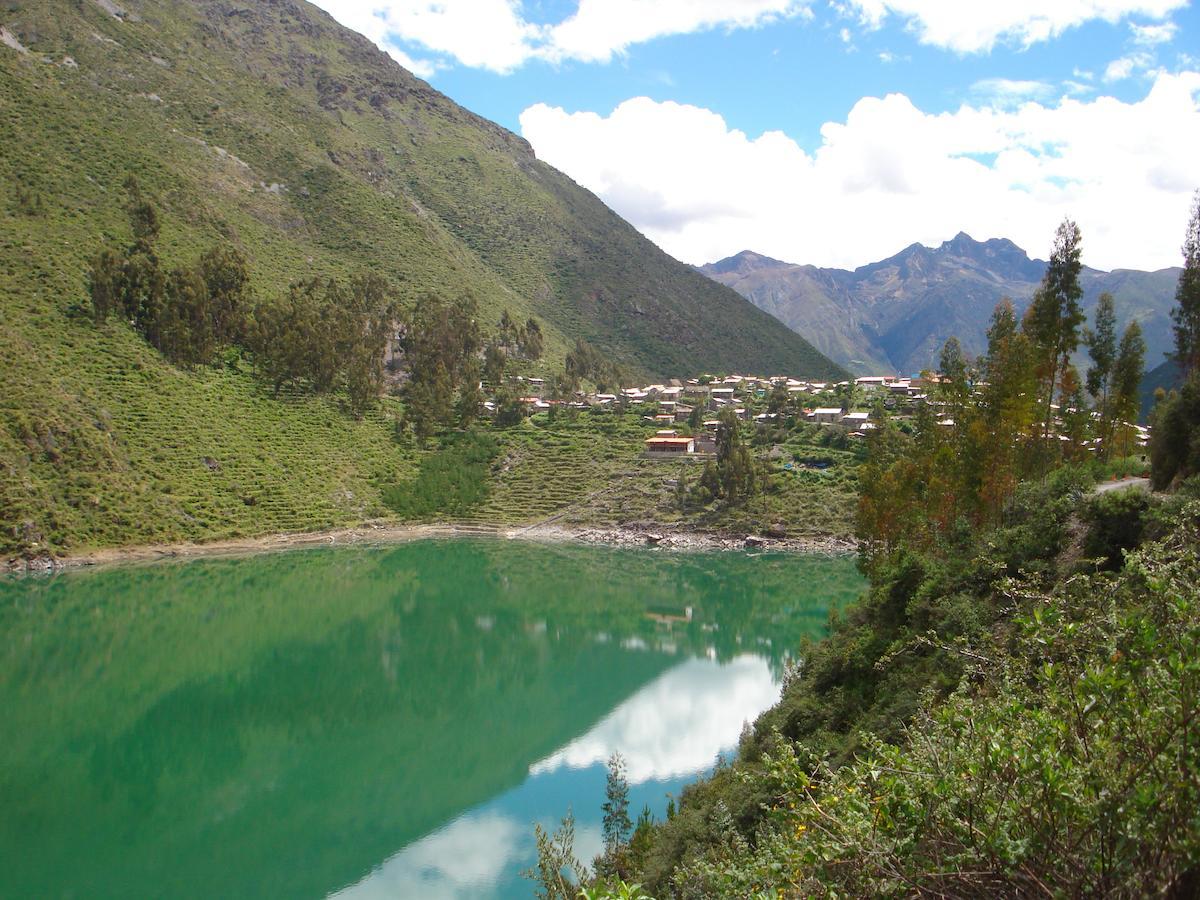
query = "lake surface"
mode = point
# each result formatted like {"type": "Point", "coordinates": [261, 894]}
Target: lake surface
{"type": "Point", "coordinates": [371, 722]}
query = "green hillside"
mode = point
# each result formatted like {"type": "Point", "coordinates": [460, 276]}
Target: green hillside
{"type": "Point", "coordinates": [269, 126]}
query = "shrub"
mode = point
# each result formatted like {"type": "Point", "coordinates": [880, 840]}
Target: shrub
{"type": "Point", "coordinates": [1067, 765]}
{"type": "Point", "coordinates": [449, 483]}
{"type": "Point", "coordinates": [1115, 520]}
{"type": "Point", "coordinates": [1175, 435]}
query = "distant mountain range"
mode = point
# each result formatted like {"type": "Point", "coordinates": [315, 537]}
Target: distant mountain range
{"type": "Point", "coordinates": [894, 315]}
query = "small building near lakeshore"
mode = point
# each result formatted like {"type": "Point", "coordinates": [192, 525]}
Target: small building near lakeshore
{"type": "Point", "coordinates": [669, 445]}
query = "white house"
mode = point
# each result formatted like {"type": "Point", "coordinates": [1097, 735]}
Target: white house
{"type": "Point", "coordinates": [826, 415]}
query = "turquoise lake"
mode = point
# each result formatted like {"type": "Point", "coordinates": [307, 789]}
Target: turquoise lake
{"type": "Point", "coordinates": [371, 722]}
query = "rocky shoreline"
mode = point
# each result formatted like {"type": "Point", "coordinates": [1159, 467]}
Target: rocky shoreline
{"type": "Point", "coordinates": [685, 539]}
{"type": "Point", "coordinates": [662, 537]}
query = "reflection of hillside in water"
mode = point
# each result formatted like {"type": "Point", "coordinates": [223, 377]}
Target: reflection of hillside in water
{"type": "Point", "coordinates": [670, 729]}
{"type": "Point", "coordinates": [276, 725]}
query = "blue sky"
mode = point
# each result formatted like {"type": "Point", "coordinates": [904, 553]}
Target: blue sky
{"type": "Point", "coordinates": [837, 132]}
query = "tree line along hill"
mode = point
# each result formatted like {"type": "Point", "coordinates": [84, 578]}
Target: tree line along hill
{"type": "Point", "coordinates": [267, 128]}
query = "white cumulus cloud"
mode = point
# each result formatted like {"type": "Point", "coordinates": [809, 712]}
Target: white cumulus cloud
{"type": "Point", "coordinates": [1149, 35]}
{"type": "Point", "coordinates": [1122, 68]}
{"type": "Point", "coordinates": [891, 174]}
{"type": "Point", "coordinates": [488, 34]}
{"type": "Point", "coordinates": [495, 34]}
{"type": "Point", "coordinates": [974, 27]}
{"type": "Point", "coordinates": [463, 859]}
{"type": "Point", "coordinates": [601, 29]}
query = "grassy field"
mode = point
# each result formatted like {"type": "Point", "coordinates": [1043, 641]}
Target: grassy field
{"type": "Point", "coordinates": [130, 450]}
{"type": "Point", "coordinates": [803, 502]}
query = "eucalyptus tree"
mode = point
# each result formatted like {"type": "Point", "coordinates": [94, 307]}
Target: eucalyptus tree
{"type": "Point", "coordinates": [1102, 348]}
{"type": "Point", "coordinates": [1053, 319]}
{"type": "Point", "coordinates": [1186, 314]}
{"type": "Point", "coordinates": [1127, 380]}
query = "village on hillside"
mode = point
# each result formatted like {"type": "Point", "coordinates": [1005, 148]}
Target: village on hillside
{"type": "Point", "coordinates": [686, 412]}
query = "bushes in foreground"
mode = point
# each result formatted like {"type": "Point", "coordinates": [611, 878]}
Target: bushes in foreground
{"type": "Point", "coordinates": [1001, 716]}
{"type": "Point", "coordinates": [1175, 435]}
{"type": "Point", "coordinates": [1067, 763]}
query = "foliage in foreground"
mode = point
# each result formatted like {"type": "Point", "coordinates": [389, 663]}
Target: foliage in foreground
{"type": "Point", "coordinates": [878, 666]}
{"type": "Point", "coordinates": [1065, 762]}
{"type": "Point", "coordinates": [1068, 762]}
{"type": "Point", "coordinates": [1175, 440]}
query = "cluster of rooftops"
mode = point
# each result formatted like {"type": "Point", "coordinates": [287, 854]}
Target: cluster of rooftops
{"type": "Point", "coordinates": [675, 402]}
{"type": "Point", "coordinates": [736, 390]}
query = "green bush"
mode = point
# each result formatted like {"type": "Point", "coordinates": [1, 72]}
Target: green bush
{"type": "Point", "coordinates": [1034, 526]}
{"type": "Point", "coordinates": [904, 646]}
{"type": "Point", "coordinates": [449, 483]}
{"type": "Point", "coordinates": [1175, 435]}
{"type": "Point", "coordinates": [1116, 521]}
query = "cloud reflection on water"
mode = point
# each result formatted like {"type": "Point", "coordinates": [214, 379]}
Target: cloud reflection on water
{"type": "Point", "coordinates": [677, 724]}
{"type": "Point", "coordinates": [464, 859]}
{"type": "Point", "coordinates": [672, 728]}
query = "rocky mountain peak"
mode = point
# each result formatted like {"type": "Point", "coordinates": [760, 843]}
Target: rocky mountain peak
{"type": "Point", "coordinates": [742, 264]}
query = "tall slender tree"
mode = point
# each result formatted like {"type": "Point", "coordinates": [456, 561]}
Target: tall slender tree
{"type": "Point", "coordinates": [1102, 348]}
{"type": "Point", "coordinates": [954, 385]}
{"type": "Point", "coordinates": [227, 278]}
{"type": "Point", "coordinates": [1006, 408]}
{"type": "Point", "coordinates": [494, 362]}
{"type": "Point", "coordinates": [106, 284]}
{"type": "Point", "coordinates": [1076, 416]}
{"type": "Point", "coordinates": [531, 339]}
{"type": "Point", "coordinates": [441, 345]}
{"type": "Point", "coordinates": [506, 332]}
{"type": "Point", "coordinates": [616, 825]}
{"type": "Point", "coordinates": [1053, 319]}
{"type": "Point", "coordinates": [1127, 379]}
{"type": "Point", "coordinates": [1186, 314]}
{"type": "Point", "coordinates": [735, 464]}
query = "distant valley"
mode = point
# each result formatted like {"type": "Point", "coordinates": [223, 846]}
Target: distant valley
{"type": "Point", "coordinates": [894, 315]}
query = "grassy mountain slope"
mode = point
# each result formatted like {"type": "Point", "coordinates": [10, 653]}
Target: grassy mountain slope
{"type": "Point", "coordinates": [267, 125]}
{"type": "Point", "coordinates": [894, 315]}
{"type": "Point", "coordinates": [271, 125]}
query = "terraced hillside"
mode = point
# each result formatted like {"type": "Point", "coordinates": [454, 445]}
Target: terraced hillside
{"type": "Point", "coordinates": [590, 472]}
{"type": "Point", "coordinates": [267, 125]}
{"type": "Point", "coordinates": [130, 450]}
{"type": "Point", "coordinates": [548, 468]}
